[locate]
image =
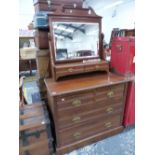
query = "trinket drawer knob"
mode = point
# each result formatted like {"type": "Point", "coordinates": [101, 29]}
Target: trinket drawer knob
{"type": "Point", "coordinates": [76, 103]}
{"type": "Point", "coordinates": [108, 124]}
{"type": "Point", "coordinates": [76, 119]}
{"type": "Point", "coordinates": [110, 94]}
{"type": "Point", "coordinates": [77, 135]}
{"type": "Point", "coordinates": [109, 110]}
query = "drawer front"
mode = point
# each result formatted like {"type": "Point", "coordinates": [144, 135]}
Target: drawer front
{"type": "Point", "coordinates": [75, 118]}
{"type": "Point", "coordinates": [70, 105]}
{"type": "Point", "coordinates": [96, 67]}
{"type": "Point", "coordinates": [69, 70]}
{"type": "Point", "coordinates": [105, 95]}
{"type": "Point", "coordinates": [101, 66]}
{"type": "Point", "coordinates": [100, 94]}
{"type": "Point", "coordinates": [74, 100]}
{"type": "Point", "coordinates": [110, 93]}
{"type": "Point", "coordinates": [89, 68]}
{"type": "Point", "coordinates": [88, 129]}
{"type": "Point", "coordinates": [87, 107]}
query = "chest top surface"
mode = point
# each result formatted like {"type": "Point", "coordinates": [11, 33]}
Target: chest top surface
{"type": "Point", "coordinates": [86, 82]}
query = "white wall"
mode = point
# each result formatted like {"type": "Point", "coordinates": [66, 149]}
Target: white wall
{"type": "Point", "coordinates": [124, 15]}
{"type": "Point", "coordinates": [26, 13]}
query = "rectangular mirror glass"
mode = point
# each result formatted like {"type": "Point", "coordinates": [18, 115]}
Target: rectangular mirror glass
{"type": "Point", "coordinates": [75, 40]}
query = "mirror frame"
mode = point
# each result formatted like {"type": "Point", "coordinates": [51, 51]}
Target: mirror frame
{"type": "Point", "coordinates": [54, 18]}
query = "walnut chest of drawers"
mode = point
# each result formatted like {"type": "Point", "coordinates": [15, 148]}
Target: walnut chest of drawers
{"type": "Point", "coordinates": [86, 109]}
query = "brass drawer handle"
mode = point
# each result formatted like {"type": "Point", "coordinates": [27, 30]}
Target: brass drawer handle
{"type": "Point", "coordinates": [108, 124]}
{"type": "Point", "coordinates": [76, 103]}
{"type": "Point", "coordinates": [76, 119]}
{"type": "Point", "coordinates": [110, 94]}
{"type": "Point", "coordinates": [70, 70]}
{"type": "Point", "coordinates": [62, 99]}
{"type": "Point", "coordinates": [77, 135]}
{"type": "Point", "coordinates": [109, 110]}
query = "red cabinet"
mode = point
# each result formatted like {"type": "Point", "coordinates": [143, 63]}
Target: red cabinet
{"type": "Point", "coordinates": [122, 62]}
{"type": "Point", "coordinates": [129, 113]}
{"type": "Point", "coordinates": [122, 55]}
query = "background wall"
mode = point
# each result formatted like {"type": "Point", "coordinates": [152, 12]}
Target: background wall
{"type": "Point", "coordinates": [119, 16]}
{"type": "Point", "coordinates": [26, 13]}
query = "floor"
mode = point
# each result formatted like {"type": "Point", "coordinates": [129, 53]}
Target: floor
{"type": "Point", "coordinates": [120, 144]}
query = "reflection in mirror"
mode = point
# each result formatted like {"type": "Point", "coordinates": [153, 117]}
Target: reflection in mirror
{"type": "Point", "coordinates": [76, 40]}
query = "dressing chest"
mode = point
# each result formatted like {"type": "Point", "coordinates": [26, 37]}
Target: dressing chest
{"type": "Point", "coordinates": [86, 109]}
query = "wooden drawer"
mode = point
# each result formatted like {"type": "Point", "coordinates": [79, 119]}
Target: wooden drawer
{"type": "Point", "coordinates": [119, 88]}
{"type": "Point", "coordinates": [79, 67]}
{"type": "Point", "coordinates": [76, 118]}
{"type": "Point", "coordinates": [89, 68]}
{"type": "Point", "coordinates": [103, 101]}
{"type": "Point", "coordinates": [88, 129]}
{"type": "Point", "coordinates": [95, 98]}
{"type": "Point", "coordinates": [110, 92]}
{"type": "Point", "coordinates": [97, 67]}
{"type": "Point", "coordinates": [70, 105]}
{"type": "Point", "coordinates": [69, 70]}
{"type": "Point", "coordinates": [90, 106]}
{"type": "Point", "coordinates": [74, 100]}
{"type": "Point", "coordinates": [78, 110]}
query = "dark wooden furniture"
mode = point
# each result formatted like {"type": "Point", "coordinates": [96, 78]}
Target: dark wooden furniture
{"type": "Point", "coordinates": [41, 39]}
{"type": "Point", "coordinates": [34, 127]}
{"type": "Point", "coordinates": [61, 70]}
{"type": "Point", "coordinates": [43, 5]}
{"type": "Point", "coordinates": [27, 65]}
{"type": "Point", "coordinates": [75, 66]}
{"type": "Point", "coordinates": [86, 109]}
{"type": "Point", "coordinates": [35, 131]}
